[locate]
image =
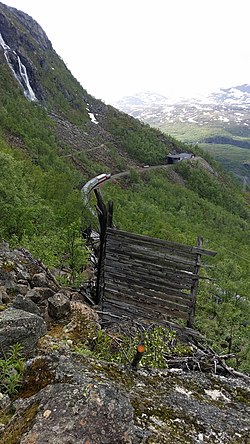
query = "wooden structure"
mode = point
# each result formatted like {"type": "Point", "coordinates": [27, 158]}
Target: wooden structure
{"type": "Point", "coordinates": [140, 277]}
{"type": "Point", "coordinates": [149, 278]}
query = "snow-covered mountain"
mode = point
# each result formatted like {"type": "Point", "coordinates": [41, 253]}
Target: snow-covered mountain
{"type": "Point", "coordinates": [224, 107]}
{"type": "Point", "coordinates": [218, 122]}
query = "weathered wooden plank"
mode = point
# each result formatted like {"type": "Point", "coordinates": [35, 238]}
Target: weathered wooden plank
{"type": "Point", "coordinates": [152, 243]}
{"type": "Point", "coordinates": [147, 239]}
{"type": "Point", "coordinates": [112, 232]}
{"type": "Point", "coordinates": [149, 278]}
{"type": "Point", "coordinates": [137, 311]}
{"type": "Point", "coordinates": [155, 267]}
{"type": "Point", "coordinates": [149, 246]}
{"type": "Point", "coordinates": [126, 313]}
{"type": "Point", "coordinates": [130, 243]}
{"type": "Point", "coordinates": [136, 287]}
{"type": "Point", "coordinates": [148, 301]}
{"type": "Point", "coordinates": [199, 250]}
{"type": "Point", "coordinates": [145, 300]}
{"type": "Point", "coordinates": [159, 265]}
{"type": "Point", "coordinates": [140, 251]}
{"type": "Point", "coordinates": [146, 259]}
{"type": "Point", "coordinates": [126, 269]}
{"type": "Point", "coordinates": [149, 304]}
{"type": "Point", "coordinates": [145, 282]}
{"type": "Point", "coordinates": [137, 292]}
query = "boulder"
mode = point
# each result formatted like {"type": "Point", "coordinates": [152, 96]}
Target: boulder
{"type": "Point", "coordinates": [39, 280]}
{"type": "Point", "coordinates": [22, 327]}
{"type": "Point", "coordinates": [58, 306]}
{"type": "Point", "coordinates": [26, 304]}
{"type": "Point", "coordinates": [39, 294]}
{"type": "Point", "coordinates": [86, 413]}
{"type": "Point", "coordinates": [4, 297]}
{"type": "Point", "coordinates": [22, 288]}
{"type": "Point", "coordinates": [73, 407]}
{"type": "Point", "coordinates": [69, 398]}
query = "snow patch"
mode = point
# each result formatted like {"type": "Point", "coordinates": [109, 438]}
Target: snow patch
{"type": "Point", "coordinates": [183, 391]}
{"type": "Point", "coordinates": [223, 119]}
{"type": "Point", "coordinates": [217, 395]}
{"type": "Point", "coordinates": [92, 118]}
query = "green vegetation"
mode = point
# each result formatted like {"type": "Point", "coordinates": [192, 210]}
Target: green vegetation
{"type": "Point", "coordinates": [40, 203]}
{"type": "Point", "coordinates": [42, 172]}
{"type": "Point", "coordinates": [11, 370]}
{"type": "Point", "coordinates": [223, 312]}
{"type": "Point", "coordinates": [231, 155]}
{"type": "Point", "coordinates": [142, 142]}
{"type": "Point", "coordinates": [212, 208]}
{"type": "Point", "coordinates": [159, 343]}
{"type": "Point", "coordinates": [188, 132]}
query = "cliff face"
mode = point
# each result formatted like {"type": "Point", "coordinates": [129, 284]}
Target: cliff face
{"type": "Point", "coordinates": [25, 38]}
{"type": "Point", "coordinates": [17, 36]}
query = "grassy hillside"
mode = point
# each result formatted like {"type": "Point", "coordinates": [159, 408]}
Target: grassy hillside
{"type": "Point", "coordinates": [50, 148]}
{"type": "Point", "coordinates": [232, 154]}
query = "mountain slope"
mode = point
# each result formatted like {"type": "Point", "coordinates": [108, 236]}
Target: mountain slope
{"type": "Point", "coordinates": [54, 136]}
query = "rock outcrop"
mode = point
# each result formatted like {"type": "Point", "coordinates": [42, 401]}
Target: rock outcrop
{"type": "Point", "coordinates": [78, 399]}
{"type": "Point", "coordinates": [70, 396]}
{"type": "Point", "coordinates": [18, 326]}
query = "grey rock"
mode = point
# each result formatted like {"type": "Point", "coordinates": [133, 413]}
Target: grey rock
{"type": "Point", "coordinates": [4, 247]}
{"type": "Point", "coordinates": [85, 413]}
{"type": "Point", "coordinates": [91, 401]}
{"type": "Point", "coordinates": [39, 280]}
{"type": "Point", "coordinates": [4, 297]}
{"type": "Point", "coordinates": [22, 288]}
{"type": "Point", "coordinates": [22, 327]}
{"type": "Point", "coordinates": [8, 280]}
{"type": "Point", "coordinates": [23, 275]}
{"type": "Point", "coordinates": [5, 401]}
{"type": "Point", "coordinates": [39, 294]}
{"type": "Point", "coordinates": [26, 304]}
{"type": "Point", "coordinates": [58, 306]}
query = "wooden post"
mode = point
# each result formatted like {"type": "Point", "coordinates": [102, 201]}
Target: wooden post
{"type": "Point", "coordinates": [102, 216]}
{"type": "Point", "coordinates": [105, 217]}
{"type": "Point", "coordinates": [140, 350]}
{"type": "Point", "coordinates": [190, 321]}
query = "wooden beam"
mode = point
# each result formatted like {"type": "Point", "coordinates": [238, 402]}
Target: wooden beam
{"type": "Point", "coordinates": [139, 293]}
{"type": "Point", "coordinates": [136, 311]}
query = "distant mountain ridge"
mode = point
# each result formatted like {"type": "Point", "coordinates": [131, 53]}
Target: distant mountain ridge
{"type": "Point", "coordinates": [215, 121]}
{"type": "Point", "coordinates": [152, 107]}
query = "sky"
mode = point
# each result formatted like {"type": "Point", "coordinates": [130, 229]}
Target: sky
{"type": "Point", "coordinates": [171, 47]}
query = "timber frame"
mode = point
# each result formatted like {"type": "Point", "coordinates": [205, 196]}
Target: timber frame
{"type": "Point", "coordinates": [144, 278]}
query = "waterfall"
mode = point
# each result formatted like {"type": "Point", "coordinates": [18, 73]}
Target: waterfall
{"type": "Point", "coordinates": [18, 69]}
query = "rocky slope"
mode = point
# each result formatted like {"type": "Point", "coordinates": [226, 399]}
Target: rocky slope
{"type": "Point", "coordinates": [65, 397]}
